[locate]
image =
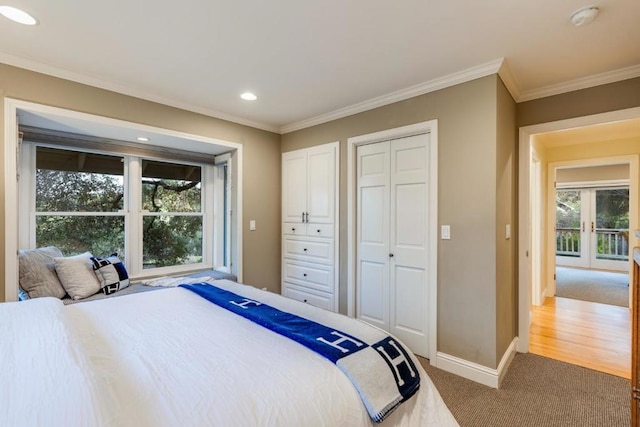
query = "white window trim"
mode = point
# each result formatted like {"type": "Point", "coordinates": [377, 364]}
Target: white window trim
{"type": "Point", "coordinates": [11, 189]}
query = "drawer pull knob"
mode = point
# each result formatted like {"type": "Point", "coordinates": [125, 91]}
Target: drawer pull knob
{"type": "Point", "coordinates": [305, 249]}
{"type": "Point", "coordinates": [304, 274]}
{"type": "Point", "coordinates": [305, 300]}
{"type": "Point", "coordinates": [293, 229]}
{"type": "Point", "coordinates": [318, 231]}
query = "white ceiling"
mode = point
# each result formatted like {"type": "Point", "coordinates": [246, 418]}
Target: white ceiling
{"type": "Point", "coordinates": [312, 60]}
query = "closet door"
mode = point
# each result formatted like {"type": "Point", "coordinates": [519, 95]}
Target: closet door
{"type": "Point", "coordinates": [321, 184]}
{"type": "Point", "coordinates": [294, 186]}
{"type": "Point", "coordinates": [372, 274]}
{"type": "Point", "coordinates": [409, 239]}
{"type": "Point", "coordinates": [393, 238]}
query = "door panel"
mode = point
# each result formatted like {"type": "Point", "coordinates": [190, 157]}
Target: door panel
{"type": "Point", "coordinates": [372, 274]}
{"type": "Point", "coordinates": [408, 241]}
{"type": "Point", "coordinates": [321, 185]}
{"type": "Point", "coordinates": [571, 228]}
{"type": "Point", "coordinates": [372, 290]}
{"type": "Point", "coordinates": [294, 188]}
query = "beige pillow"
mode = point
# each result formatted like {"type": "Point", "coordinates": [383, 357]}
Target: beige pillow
{"type": "Point", "coordinates": [77, 276]}
{"type": "Point", "coordinates": [37, 273]}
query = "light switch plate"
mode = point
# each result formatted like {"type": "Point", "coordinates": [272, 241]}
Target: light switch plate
{"type": "Point", "coordinates": [252, 225]}
{"type": "Point", "coordinates": [445, 232]}
{"type": "Point", "coordinates": [507, 232]}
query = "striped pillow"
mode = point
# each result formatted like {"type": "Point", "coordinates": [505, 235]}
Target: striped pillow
{"type": "Point", "coordinates": [111, 273]}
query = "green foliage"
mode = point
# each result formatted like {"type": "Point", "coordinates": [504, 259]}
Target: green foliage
{"type": "Point", "coordinates": [167, 240]}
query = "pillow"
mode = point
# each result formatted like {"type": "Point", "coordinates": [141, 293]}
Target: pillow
{"type": "Point", "coordinates": [110, 273]}
{"type": "Point", "coordinates": [37, 273]}
{"type": "Point", "coordinates": [76, 275]}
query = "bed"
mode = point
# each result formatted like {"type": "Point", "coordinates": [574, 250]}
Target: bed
{"type": "Point", "coordinates": [172, 358]}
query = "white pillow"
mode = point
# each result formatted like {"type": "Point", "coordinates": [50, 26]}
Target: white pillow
{"type": "Point", "coordinates": [77, 276]}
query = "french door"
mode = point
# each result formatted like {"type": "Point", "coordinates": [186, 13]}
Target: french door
{"type": "Point", "coordinates": [592, 228]}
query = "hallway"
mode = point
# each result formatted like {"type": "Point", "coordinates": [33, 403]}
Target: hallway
{"type": "Point", "coordinates": [592, 335]}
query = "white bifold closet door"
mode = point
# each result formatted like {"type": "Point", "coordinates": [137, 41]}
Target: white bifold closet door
{"type": "Point", "coordinates": [392, 238]}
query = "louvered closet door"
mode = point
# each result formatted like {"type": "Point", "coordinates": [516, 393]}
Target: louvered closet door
{"type": "Point", "coordinates": [372, 274]}
{"type": "Point", "coordinates": [409, 239]}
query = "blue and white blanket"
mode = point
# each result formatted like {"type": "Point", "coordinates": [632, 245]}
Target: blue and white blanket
{"type": "Point", "coordinates": [379, 367]}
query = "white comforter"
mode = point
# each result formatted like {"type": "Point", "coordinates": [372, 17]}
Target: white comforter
{"type": "Point", "coordinates": [171, 358]}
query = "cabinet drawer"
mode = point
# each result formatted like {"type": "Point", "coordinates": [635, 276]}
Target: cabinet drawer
{"type": "Point", "coordinates": [324, 302]}
{"type": "Point", "coordinates": [313, 276]}
{"type": "Point", "coordinates": [294, 229]}
{"type": "Point", "coordinates": [309, 250]}
{"type": "Point", "coordinates": [320, 230]}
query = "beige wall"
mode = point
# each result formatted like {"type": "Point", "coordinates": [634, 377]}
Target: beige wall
{"type": "Point", "coordinates": [261, 189]}
{"type": "Point", "coordinates": [593, 173]}
{"type": "Point", "coordinates": [467, 189]}
{"type": "Point", "coordinates": [599, 99]}
{"type": "Point", "coordinates": [506, 186]}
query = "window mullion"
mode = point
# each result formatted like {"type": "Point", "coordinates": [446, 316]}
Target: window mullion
{"type": "Point", "coordinates": [133, 226]}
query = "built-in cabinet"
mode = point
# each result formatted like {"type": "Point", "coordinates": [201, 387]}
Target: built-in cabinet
{"type": "Point", "coordinates": [309, 225]}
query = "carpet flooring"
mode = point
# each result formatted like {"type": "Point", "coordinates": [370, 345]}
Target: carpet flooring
{"type": "Point", "coordinates": [539, 392]}
{"type": "Point", "coordinates": [590, 285]}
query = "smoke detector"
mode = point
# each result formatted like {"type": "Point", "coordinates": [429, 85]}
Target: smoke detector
{"type": "Point", "coordinates": [584, 16]}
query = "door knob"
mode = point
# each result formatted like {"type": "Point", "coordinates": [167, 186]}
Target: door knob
{"type": "Point", "coordinates": [390, 255]}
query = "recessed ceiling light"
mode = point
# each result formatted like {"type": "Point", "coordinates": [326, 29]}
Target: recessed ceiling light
{"type": "Point", "coordinates": [17, 15]}
{"type": "Point", "coordinates": [142, 138]}
{"type": "Point", "coordinates": [584, 15]}
{"type": "Point", "coordinates": [248, 96]}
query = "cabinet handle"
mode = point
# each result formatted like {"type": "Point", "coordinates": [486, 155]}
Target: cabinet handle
{"type": "Point", "coordinates": [307, 217]}
{"type": "Point", "coordinates": [303, 217]}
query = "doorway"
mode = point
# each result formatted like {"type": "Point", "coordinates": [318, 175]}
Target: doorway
{"type": "Point", "coordinates": [592, 228]}
{"type": "Point", "coordinates": [594, 131]}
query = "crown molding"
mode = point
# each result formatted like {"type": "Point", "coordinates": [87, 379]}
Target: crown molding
{"type": "Point", "coordinates": [509, 80]}
{"type": "Point", "coordinates": [581, 83]}
{"type": "Point", "coordinates": [39, 67]}
{"type": "Point", "coordinates": [420, 89]}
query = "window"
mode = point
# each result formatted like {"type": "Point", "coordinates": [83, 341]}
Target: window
{"type": "Point", "coordinates": [171, 214]}
{"type": "Point", "coordinates": [156, 214]}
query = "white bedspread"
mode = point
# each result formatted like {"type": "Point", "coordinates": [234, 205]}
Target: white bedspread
{"type": "Point", "coordinates": [171, 358]}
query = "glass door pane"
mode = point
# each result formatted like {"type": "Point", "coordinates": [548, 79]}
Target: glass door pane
{"type": "Point", "coordinates": [568, 222]}
{"type": "Point", "coordinates": [611, 228]}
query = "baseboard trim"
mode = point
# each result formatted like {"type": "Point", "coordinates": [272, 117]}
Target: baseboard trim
{"type": "Point", "coordinates": [476, 372]}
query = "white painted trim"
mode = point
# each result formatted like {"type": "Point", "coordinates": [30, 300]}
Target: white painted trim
{"type": "Point", "coordinates": [39, 67]}
{"type": "Point", "coordinates": [430, 127]}
{"type": "Point", "coordinates": [336, 231]}
{"type": "Point", "coordinates": [591, 184]}
{"type": "Point", "coordinates": [11, 107]}
{"type": "Point", "coordinates": [452, 79]}
{"type": "Point", "coordinates": [581, 83]}
{"type": "Point", "coordinates": [525, 134]}
{"type": "Point", "coordinates": [509, 80]}
{"type": "Point", "coordinates": [476, 372]}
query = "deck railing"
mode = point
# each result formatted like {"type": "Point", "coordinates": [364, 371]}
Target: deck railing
{"type": "Point", "coordinates": [612, 243]}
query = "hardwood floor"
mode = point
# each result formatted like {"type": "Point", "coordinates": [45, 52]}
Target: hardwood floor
{"type": "Point", "coordinates": [596, 336]}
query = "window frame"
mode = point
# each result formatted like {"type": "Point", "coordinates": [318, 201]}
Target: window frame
{"type": "Point", "coordinates": [132, 210]}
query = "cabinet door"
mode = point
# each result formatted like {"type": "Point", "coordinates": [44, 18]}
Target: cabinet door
{"type": "Point", "coordinates": [294, 186]}
{"type": "Point", "coordinates": [321, 184]}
